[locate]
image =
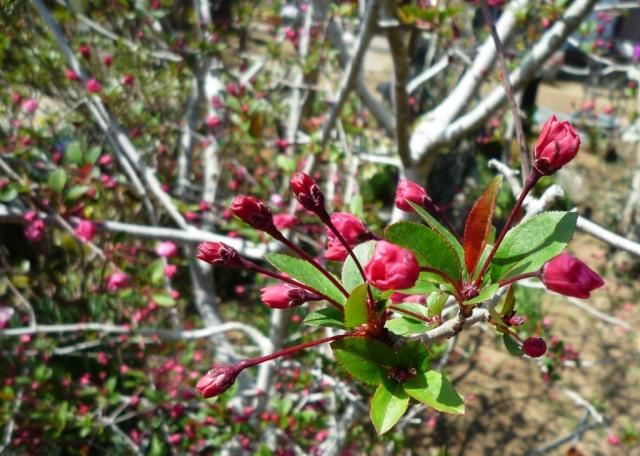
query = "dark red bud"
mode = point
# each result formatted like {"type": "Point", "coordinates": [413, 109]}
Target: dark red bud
{"type": "Point", "coordinates": [253, 212]}
{"type": "Point", "coordinates": [218, 380]}
{"type": "Point", "coordinates": [308, 193]}
{"type": "Point", "coordinates": [534, 347]}
{"type": "Point", "coordinates": [219, 254]}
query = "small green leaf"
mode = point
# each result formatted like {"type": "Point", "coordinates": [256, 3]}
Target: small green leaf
{"type": "Point", "coordinates": [511, 345]}
{"type": "Point", "coordinates": [434, 390]}
{"type": "Point", "coordinates": [364, 359]}
{"type": "Point", "coordinates": [156, 272]}
{"type": "Point", "coordinates": [351, 277]}
{"type": "Point", "coordinates": [478, 225]}
{"type": "Point", "coordinates": [406, 326]}
{"type": "Point", "coordinates": [329, 317]}
{"type": "Point", "coordinates": [440, 228]}
{"type": "Point", "coordinates": [426, 283]}
{"type": "Point", "coordinates": [76, 192]}
{"type": "Point", "coordinates": [92, 155]}
{"type": "Point", "coordinates": [529, 245]}
{"type": "Point", "coordinates": [8, 194]}
{"type": "Point", "coordinates": [436, 302]}
{"type": "Point", "coordinates": [485, 294]}
{"type": "Point", "coordinates": [57, 179]}
{"type": "Point", "coordinates": [430, 247]}
{"type": "Point", "coordinates": [73, 152]}
{"type": "Point", "coordinates": [356, 311]}
{"type": "Point", "coordinates": [163, 300]}
{"type": "Point", "coordinates": [509, 302]}
{"type": "Point", "coordinates": [388, 404]}
{"type": "Point", "coordinates": [305, 272]}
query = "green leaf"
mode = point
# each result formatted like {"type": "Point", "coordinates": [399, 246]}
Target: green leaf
{"type": "Point", "coordinates": [8, 194]}
{"type": "Point", "coordinates": [511, 345]}
{"type": "Point", "coordinates": [413, 354]}
{"type": "Point", "coordinates": [430, 247]}
{"type": "Point", "coordinates": [351, 277]}
{"type": "Point", "coordinates": [509, 302]}
{"type": "Point", "coordinates": [436, 302]}
{"type": "Point", "coordinates": [426, 283]}
{"type": "Point", "coordinates": [163, 300]}
{"type": "Point", "coordinates": [485, 293]}
{"type": "Point", "coordinates": [73, 152]}
{"type": "Point", "coordinates": [92, 155]}
{"type": "Point", "coordinates": [365, 359]}
{"type": "Point", "coordinates": [329, 317]}
{"type": "Point", "coordinates": [57, 179]}
{"type": "Point", "coordinates": [304, 272]}
{"type": "Point", "coordinates": [441, 229]}
{"type": "Point", "coordinates": [356, 309]}
{"type": "Point", "coordinates": [478, 225]}
{"type": "Point", "coordinates": [434, 389]}
{"type": "Point", "coordinates": [388, 404]}
{"type": "Point", "coordinates": [406, 326]}
{"type": "Point", "coordinates": [529, 245]}
{"type": "Point", "coordinates": [76, 192]}
{"type": "Point", "coordinates": [156, 272]}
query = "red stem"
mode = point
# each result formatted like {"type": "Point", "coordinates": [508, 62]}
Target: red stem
{"type": "Point", "coordinates": [519, 277]}
{"type": "Point", "coordinates": [287, 351]}
{"type": "Point", "coordinates": [278, 236]}
{"type": "Point", "coordinates": [408, 312]}
{"type": "Point", "coordinates": [255, 268]}
{"type": "Point", "coordinates": [528, 185]}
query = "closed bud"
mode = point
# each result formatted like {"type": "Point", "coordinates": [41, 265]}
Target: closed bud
{"type": "Point", "coordinates": [352, 230]}
{"type": "Point", "coordinates": [308, 193]}
{"type": "Point", "coordinates": [253, 212]}
{"type": "Point", "coordinates": [218, 380]}
{"type": "Point", "coordinates": [219, 254]}
{"type": "Point", "coordinates": [408, 191]}
{"type": "Point", "coordinates": [534, 347]}
{"type": "Point", "coordinates": [285, 296]}
{"type": "Point", "coordinates": [557, 145]}
{"type": "Point", "coordinates": [93, 86]}
{"type": "Point", "coordinates": [391, 267]}
{"type": "Point", "coordinates": [569, 276]}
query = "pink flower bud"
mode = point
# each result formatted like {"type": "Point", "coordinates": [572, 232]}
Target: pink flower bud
{"type": "Point", "coordinates": [281, 143]}
{"type": "Point", "coordinates": [5, 315]}
{"type": "Point", "coordinates": [93, 86]}
{"type": "Point", "coordinates": [284, 221]}
{"type": "Point", "coordinates": [117, 281]}
{"type": "Point", "coordinates": [517, 320]}
{"type": "Point", "coordinates": [107, 60]}
{"type": "Point", "coordinates": [308, 193]}
{"type": "Point", "coordinates": [86, 230]}
{"type": "Point", "coordinates": [30, 106]}
{"type": "Point", "coordinates": [128, 79]}
{"type": "Point", "coordinates": [213, 121]}
{"type": "Point", "coordinates": [352, 230]}
{"type": "Point", "coordinates": [85, 51]}
{"type": "Point", "coordinates": [170, 270]}
{"type": "Point", "coordinates": [557, 145]}
{"type": "Point", "coordinates": [218, 380]}
{"type": "Point", "coordinates": [410, 191]}
{"type": "Point", "coordinates": [71, 75]}
{"type": "Point", "coordinates": [219, 254]}
{"type": "Point", "coordinates": [391, 267]}
{"type": "Point", "coordinates": [534, 347]}
{"type": "Point", "coordinates": [167, 249]}
{"type": "Point", "coordinates": [613, 440]}
{"type": "Point", "coordinates": [569, 276]}
{"type": "Point", "coordinates": [35, 230]}
{"type": "Point", "coordinates": [253, 212]}
{"type": "Point", "coordinates": [285, 296]}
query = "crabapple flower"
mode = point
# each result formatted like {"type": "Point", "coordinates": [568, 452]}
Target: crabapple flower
{"type": "Point", "coordinates": [107, 60]}
{"type": "Point", "coordinates": [391, 267]}
{"type": "Point", "coordinates": [569, 276]}
{"type": "Point", "coordinates": [93, 86]}
{"type": "Point", "coordinates": [353, 231]}
{"type": "Point", "coordinates": [219, 254]}
{"type": "Point", "coordinates": [128, 79]}
{"type": "Point", "coordinates": [167, 249]}
{"type": "Point", "coordinates": [71, 75]}
{"type": "Point", "coordinates": [5, 315]}
{"type": "Point", "coordinates": [30, 106]}
{"type": "Point", "coordinates": [34, 231]}
{"type": "Point", "coordinates": [253, 212]}
{"type": "Point", "coordinates": [213, 121]}
{"type": "Point", "coordinates": [409, 191]}
{"type": "Point", "coordinates": [285, 296]}
{"type": "Point", "coordinates": [170, 270]}
{"type": "Point", "coordinates": [218, 380]}
{"type": "Point", "coordinates": [86, 230]}
{"type": "Point", "coordinates": [117, 281]}
{"type": "Point", "coordinates": [534, 347]}
{"type": "Point", "coordinates": [85, 51]}
{"type": "Point", "coordinates": [308, 193]}
{"type": "Point", "coordinates": [557, 145]}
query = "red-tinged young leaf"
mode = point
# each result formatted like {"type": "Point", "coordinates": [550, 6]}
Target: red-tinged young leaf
{"type": "Point", "coordinates": [478, 225]}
